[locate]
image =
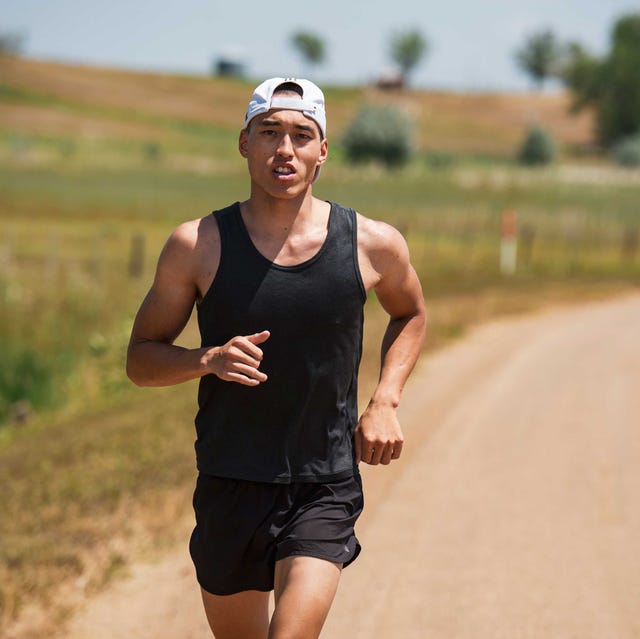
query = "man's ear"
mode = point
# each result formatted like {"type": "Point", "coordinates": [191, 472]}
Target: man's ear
{"type": "Point", "coordinates": [324, 151]}
{"type": "Point", "coordinates": [243, 141]}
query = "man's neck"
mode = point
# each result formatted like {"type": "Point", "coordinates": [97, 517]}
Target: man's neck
{"type": "Point", "coordinates": [278, 216]}
{"type": "Point", "coordinates": [285, 231]}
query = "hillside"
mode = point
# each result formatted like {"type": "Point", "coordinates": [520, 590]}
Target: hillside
{"type": "Point", "coordinates": [54, 99]}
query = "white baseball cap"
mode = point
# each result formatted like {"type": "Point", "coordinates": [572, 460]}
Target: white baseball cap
{"type": "Point", "coordinates": [311, 102]}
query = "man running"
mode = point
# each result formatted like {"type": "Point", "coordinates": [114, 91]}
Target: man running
{"type": "Point", "coordinates": [280, 281]}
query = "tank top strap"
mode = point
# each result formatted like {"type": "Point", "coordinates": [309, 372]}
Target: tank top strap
{"type": "Point", "coordinates": [226, 219]}
{"type": "Point", "coordinates": [344, 238]}
{"type": "Point", "coordinates": [236, 248]}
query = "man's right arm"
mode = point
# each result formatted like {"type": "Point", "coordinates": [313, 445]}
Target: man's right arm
{"type": "Point", "coordinates": [152, 357]}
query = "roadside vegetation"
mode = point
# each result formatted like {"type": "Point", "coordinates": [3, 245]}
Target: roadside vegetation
{"type": "Point", "coordinates": [96, 168]}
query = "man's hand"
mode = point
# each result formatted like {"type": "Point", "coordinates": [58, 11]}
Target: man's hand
{"type": "Point", "coordinates": [378, 436]}
{"type": "Point", "coordinates": [238, 360]}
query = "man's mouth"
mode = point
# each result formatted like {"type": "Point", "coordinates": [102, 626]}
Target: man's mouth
{"type": "Point", "coordinates": [284, 170]}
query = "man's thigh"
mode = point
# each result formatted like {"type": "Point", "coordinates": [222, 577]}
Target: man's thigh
{"type": "Point", "coordinates": [244, 615]}
{"type": "Point", "coordinates": [304, 591]}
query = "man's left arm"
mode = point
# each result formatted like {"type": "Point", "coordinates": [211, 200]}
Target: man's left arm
{"type": "Point", "coordinates": [378, 436]}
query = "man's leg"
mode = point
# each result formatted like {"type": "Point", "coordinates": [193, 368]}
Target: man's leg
{"type": "Point", "coordinates": [244, 615]}
{"type": "Point", "coordinates": [304, 591]}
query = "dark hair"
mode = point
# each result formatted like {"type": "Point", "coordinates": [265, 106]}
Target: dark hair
{"type": "Point", "coordinates": [288, 86]}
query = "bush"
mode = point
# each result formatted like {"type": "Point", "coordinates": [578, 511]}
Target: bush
{"type": "Point", "coordinates": [25, 377]}
{"type": "Point", "coordinates": [627, 151]}
{"type": "Point", "coordinates": [379, 133]}
{"type": "Point", "coordinates": [537, 148]}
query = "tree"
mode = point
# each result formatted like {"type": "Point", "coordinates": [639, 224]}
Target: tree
{"type": "Point", "coordinates": [582, 72]}
{"type": "Point", "coordinates": [309, 46]}
{"type": "Point", "coordinates": [11, 43]}
{"type": "Point", "coordinates": [406, 50]}
{"type": "Point", "coordinates": [539, 56]}
{"type": "Point", "coordinates": [610, 84]}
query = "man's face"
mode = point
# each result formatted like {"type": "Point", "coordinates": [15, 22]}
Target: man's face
{"type": "Point", "coordinates": [283, 149]}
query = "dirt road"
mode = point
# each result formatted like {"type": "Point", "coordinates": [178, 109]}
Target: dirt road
{"type": "Point", "coordinates": [514, 513]}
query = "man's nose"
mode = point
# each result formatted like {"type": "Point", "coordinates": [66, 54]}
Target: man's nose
{"type": "Point", "coordinates": [285, 146]}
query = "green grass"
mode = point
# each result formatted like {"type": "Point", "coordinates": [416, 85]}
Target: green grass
{"type": "Point", "coordinates": [68, 236]}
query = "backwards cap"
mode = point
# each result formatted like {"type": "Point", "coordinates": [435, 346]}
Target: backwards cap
{"type": "Point", "coordinates": [311, 103]}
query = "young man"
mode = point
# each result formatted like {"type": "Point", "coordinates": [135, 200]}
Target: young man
{"type": "Point", "coordinates": [280, 281]}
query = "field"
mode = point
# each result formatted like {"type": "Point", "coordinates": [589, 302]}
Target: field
{"type": "Point", "coordinates": [97, 166]}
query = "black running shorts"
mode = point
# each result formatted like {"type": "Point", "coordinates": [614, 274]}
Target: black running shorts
{"type": "Point", "coordinates": [243, 528]}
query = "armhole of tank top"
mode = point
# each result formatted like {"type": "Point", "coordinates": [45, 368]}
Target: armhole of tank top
{"type": "Point", "coordinates": [222, 232]}
{"type": "Point", "coordinates": [356, 262]}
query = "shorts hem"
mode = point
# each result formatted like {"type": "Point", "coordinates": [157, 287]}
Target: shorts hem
{"type": "Point", "coordinates": [345, 558]}
{"type": "Point", "coordinates": [225, 592]}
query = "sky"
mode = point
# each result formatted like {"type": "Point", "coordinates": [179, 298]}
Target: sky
{"type": "Point", "coordinates": [471, 42]}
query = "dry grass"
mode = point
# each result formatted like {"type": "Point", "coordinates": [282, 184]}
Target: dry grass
{"type": "Point", "coordinates": [183, 97]}
{"type": "Point", "coordinates": [43, 120]}
{"type": "Point", "coordinates": [469, 123]}
{"type": "Point", "coordinates": [487, 123]}
{"type": "Point", "coordinates": [96, 510]}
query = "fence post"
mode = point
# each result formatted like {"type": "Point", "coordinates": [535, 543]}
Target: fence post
{"type": "Point", "coordinates": [526, 238]}
{"type": "Point", "coordinates": [136, 258]}
{"type": "Point", "coordinates": [508, 242]}
{"type": "Point", "coordinates": [630, 244]}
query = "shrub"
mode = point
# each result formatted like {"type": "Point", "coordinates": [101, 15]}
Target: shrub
{"type": "Point", "coordinates": [25, 376]}
{"type": "Point", "coordinates": [627, 151]}
{"type": "Point", "coordinates": [379, 133]}
{"type": "Point", "coordinates": [537, 148]}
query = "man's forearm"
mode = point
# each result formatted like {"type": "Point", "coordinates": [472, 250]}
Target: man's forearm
{"type": "Point", "coordinates": [151, 363]}
{"type": "Point", "coordinates": [401, 347]}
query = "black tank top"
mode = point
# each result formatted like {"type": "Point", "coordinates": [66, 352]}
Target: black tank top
{"type": "Point", "coordinates": [298, 425]}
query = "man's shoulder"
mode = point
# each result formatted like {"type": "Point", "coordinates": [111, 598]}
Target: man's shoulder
{"type": "Point", "coordinates": [187, 234]}
{"type": "Point", "coordinates": [193, 232]}
{"type": "Point", "coordinates": [197, 236]}
{"type": "Point", "coordinates": [377, 235]}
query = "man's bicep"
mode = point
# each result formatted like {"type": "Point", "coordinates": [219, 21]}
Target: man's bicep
{"type": "Point", "coordinates": [168, 304]}
{"type": "Point", "coordinates": [162, 316]}
{"type": "Point", "coordinates": [400, 293]}
{"type": "Point", "coordinates": [399, 290]}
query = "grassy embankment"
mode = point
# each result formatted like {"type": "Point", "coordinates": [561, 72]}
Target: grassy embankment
{"type": "Point", "coordinates": [91, 158]}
